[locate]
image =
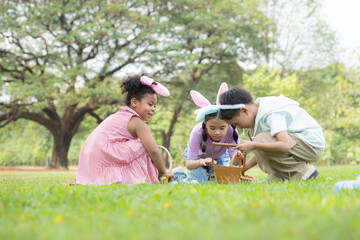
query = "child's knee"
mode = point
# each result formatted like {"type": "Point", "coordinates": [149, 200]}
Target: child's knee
{"type": "Point", "coordinates": [199, 174]}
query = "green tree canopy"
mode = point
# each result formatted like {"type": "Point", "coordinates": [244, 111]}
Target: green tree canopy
{"type": "Point", "coordinates": [61, 61]}
{"type": "Point", "coordinates": [58, 60]}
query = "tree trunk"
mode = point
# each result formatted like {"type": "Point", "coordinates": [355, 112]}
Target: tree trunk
{"type": "Point", "coordinates": [61, 145]}
{"type": "Point", "coordinates": [166, 137]}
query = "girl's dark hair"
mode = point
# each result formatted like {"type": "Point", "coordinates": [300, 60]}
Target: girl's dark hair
{"type": "Point", "coordinates": [135, 89]}
{"type": "Point", "coordinates": [204, 134]}
{"type": "Point", "coordinates": [235, 95]}
{"type": "Point", "coordinates": [235, 134]}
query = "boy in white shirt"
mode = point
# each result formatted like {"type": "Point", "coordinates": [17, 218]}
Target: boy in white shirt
{"type": "Point", "coordinates": [284, 138]}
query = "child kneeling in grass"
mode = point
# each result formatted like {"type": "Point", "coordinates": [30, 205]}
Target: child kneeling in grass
{"type": "Point", "coordinates": [198, 153]}
{"type": "Point", "coordinates": [284, 138]}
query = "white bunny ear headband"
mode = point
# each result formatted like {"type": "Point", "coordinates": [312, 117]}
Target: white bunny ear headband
{"type": "Point", "coordinates": [206, 107]}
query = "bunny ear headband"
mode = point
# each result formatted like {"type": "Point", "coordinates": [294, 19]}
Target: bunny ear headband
{"type": "Point", "coordinates": [205, 106]}
{"type": "Point", "coordinates": [158, 87]}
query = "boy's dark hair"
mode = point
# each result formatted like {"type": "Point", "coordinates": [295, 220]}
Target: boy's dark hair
{"type": "Point", "coordinates": [204, 134]}
{"type": "Point", "coordinates": [235, 95]}
{"type": "Point", "coordinates": [135, 89]}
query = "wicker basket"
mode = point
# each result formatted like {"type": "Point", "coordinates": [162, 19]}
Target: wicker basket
{"type": "Point", "coordinates": [225, 175]}
{"type": "Point", "coordinates": [169, 157]}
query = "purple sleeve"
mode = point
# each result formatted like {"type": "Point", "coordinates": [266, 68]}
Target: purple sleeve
{"type": "Point", "coordinates": [194, 143]}
{"type": "Point", "coordinates": [231, 151]}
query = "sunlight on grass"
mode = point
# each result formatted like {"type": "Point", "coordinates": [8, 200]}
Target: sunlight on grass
{"type": "Point", "coordinates": [35, 205]}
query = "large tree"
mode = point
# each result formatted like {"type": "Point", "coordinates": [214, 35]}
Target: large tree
{"type": "Point", "coordinates": [58, 60]}
{"type": "Point", "coordinates": [199, 37]}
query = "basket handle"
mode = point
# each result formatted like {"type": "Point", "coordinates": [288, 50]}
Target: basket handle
{"type": "Point", "coordinates": [241, 163]}
{"type": "Point", "coordinates": [213, 151]}
{"type": "Point", "coordinates": [232, 159]}
{"type": "Point", "coordinates": [169, 155]}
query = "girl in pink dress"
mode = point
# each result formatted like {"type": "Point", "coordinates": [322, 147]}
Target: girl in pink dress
{"type": "Point", "coordinates": [121, 149]}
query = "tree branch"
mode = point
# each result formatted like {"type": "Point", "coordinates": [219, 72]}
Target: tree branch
{"type": "Point", "coordinates": [129, 60]}
{"type": "Point", "coordinates": [50, 111]}
{"type": "Point", "coordinates": [15, 115]}
{"type": "Point", "coordinates": [97, 117]}
{"type": "Point", "coordinates": [112, 54]}
{"type": "Point", "coordinates": [66, 119]}
{"type": "Point", "coordinates": [3, 117]}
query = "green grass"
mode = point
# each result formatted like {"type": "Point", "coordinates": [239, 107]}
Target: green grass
{"type": "Point", "coordinates": [37, 206]}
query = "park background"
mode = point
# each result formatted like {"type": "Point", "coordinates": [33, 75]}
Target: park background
{"type": "Point", "coordinates": [61, 64]}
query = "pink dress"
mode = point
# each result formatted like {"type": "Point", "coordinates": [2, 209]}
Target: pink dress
{"type": "Point", "coordinates": [111, 154]}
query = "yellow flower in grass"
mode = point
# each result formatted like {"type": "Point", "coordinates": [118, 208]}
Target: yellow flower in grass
{"type": "Point", "coordinates": [57, 219]}
{"type": "Point", "coordinates": [167, 205]}
{"type": "Point", "coordinates": [254, 205]}
{"type": "Point", "coordinates": [131, 213]}
{"type": "Point", "coordinates": [192, 190]}
{"type": "Point", "coordinates": [222, 191]}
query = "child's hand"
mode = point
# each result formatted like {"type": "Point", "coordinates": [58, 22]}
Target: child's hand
{"type": "Point", "coordinates": [245, 146]}
{"type": "Point", "coordinates": [207, 162]}
{"type": "Point", "coordinates": [239, 154]}
{"type": "Point", "coordinates": [166, 177]}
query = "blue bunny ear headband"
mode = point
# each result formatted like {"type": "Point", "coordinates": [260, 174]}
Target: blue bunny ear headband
{"type": "Point", "coordinates": [202, 112]}
{"type": "Point", "coordinates": [206, 107]}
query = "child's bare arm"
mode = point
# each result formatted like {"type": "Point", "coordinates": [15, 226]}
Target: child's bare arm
{"type": "Point", "coordinates": [250, 163]}
{"type": "Point", "coordinates": [281, 145]}
{"type": "Point", "coordinates": [194, 164]}
{"type": "Point", "coordinates": [138, 127]}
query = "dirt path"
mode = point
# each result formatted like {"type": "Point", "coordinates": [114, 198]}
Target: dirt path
{"type": "Point", "coordinates": [34, 169]}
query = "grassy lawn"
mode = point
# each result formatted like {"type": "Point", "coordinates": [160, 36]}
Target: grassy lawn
{"type": "Point", "coordinates": [34, 205]}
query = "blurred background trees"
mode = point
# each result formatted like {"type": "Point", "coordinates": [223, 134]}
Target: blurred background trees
{"type": "Point", "coordinates": [61, 64]}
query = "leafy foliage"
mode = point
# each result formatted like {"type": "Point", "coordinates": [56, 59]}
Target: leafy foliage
{"type": "Point", "coordinates": [59, 58]}
{"type": "Point", "coordinates": [61, 63]}
{"type": "Point", "coordinates": [25, 144]}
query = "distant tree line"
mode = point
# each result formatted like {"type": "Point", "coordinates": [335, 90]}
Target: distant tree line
{"type": "Point", "coordinates": [61, 63]}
